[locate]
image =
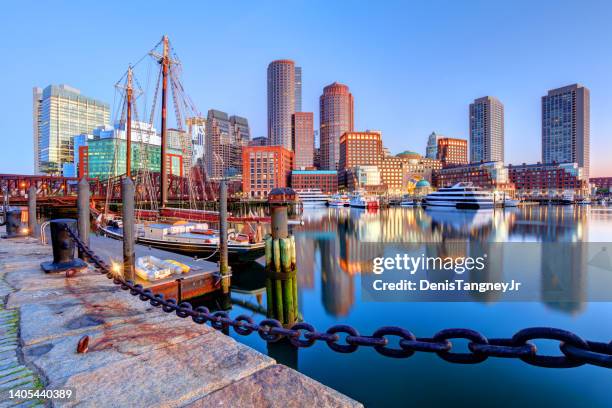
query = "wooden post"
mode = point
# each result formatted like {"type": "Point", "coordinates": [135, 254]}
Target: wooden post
{"type": "Point", "coordinates": [127, 196]}
{"type": "Point", "coordinates": [83, 212]}
{"type": "Point", "coordinates": [32, 224]}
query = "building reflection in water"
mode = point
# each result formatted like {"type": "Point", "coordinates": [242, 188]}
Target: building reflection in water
{"type": "Point", "coordinates": [344, 241]}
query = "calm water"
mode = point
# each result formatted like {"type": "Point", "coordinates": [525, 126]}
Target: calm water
{"type": "Point", "coordinates": [332, 257]}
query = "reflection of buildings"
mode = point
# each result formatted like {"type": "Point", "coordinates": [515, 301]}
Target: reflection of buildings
{"type": "Point", "coordinates": [337, 287]}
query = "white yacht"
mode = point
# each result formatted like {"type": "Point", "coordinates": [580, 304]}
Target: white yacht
{"type": "Point", "coordinates": [460, 196]}
{"type": "Point", "coordinates": [361, 200]}
{"type": "Point", "coordinates": [339, 200]}
{"type": "Point", "coordinates": [312, 197]}
{"type": "Point", "coordinates": [568, 197]}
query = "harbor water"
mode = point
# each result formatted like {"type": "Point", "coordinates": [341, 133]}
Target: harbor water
{"type": "Point", "coordinates": [335, 247]}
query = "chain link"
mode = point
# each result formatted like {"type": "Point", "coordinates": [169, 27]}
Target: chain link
{"type": "Point", "coordinates": [575, 351]}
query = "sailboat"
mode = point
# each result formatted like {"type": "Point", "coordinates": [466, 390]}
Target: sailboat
{"type": "Point", "coordinates": [158, 227]}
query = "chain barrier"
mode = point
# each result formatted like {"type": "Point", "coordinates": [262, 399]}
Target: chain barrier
{"type": "Point", "coordinates": [342, 338]}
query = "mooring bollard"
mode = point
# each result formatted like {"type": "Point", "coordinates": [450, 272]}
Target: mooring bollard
{"type": "Point", "coordinates": [224, 268]}
{"type": "Point", "coordinates": [281, 283]}
{"type": "Point", "coordinates": [127, 197]}
{"type": "Point", "coordinates": [12, 221]}
{"type": "Point", "coordinates": [32, 223]}
{"type": "Point", "coordinates": [63, 247]}
{"type": "Point", "coordinates": [83, 212]}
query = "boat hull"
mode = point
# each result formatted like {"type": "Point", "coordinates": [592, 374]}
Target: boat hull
{"type": "Point", "coordinates": [236, 254]}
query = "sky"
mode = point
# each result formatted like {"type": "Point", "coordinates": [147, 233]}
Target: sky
{"type": "Point", "coordinates": [413, 67]}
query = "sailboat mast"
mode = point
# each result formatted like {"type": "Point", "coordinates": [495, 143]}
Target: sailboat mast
{"type": "Point", "coordinates": [128, 125]}
{"type": "Point", "coordinates": [165, 61]}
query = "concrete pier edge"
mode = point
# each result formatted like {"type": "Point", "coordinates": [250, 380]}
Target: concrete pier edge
{"type": "Point", "coordinates": [138, 355]}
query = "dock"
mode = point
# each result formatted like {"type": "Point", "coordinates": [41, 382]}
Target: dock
{"type": "Point", "coordinates": [137, 355]}
{"type": "Point", "coordinates": [202, 279]}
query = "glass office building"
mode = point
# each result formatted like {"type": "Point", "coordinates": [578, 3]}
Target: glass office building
{"type": "Point", "coordinates": [60, 112]}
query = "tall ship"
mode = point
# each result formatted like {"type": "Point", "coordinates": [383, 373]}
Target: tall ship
{"type": "Point", "coordinates": [312, 197]}
{"type": "Point", "coordinates": [460, 196]}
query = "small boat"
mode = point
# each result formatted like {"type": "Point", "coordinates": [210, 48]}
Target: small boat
{"type": "Point", "coordinates": [312, 197]}
{"type": "Point", "coordinates": [460, 196]}
{"type": "Point", "coordinates": [361, 200]}
{"type": "Point", "coordinates": [407, 201]}
{"type": "Point", "coordinates": [584, 201]}
{"type": "Point", "coordinates": [192, 239]}
{"type": "Point", "coordinates": [339, 200]}
{"type": "Point", "coordinates": [151, 268]}
{"type": "Point", "coordinates": [567, 198]}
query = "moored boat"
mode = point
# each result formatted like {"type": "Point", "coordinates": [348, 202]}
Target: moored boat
{"type": "Point", "coordinates": [362, 200]}
{"type": "Point", "coordinates": [460, 196]}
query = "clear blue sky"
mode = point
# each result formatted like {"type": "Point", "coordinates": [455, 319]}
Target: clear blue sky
{"type": "Point", "coordinates": [412, 68]}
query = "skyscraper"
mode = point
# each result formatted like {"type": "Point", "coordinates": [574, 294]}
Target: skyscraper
{"type": "Point", "coordinates": [566, 126]}
{"type": "Point", "coordinates": [298, 89]}
{"type": "Point", "coordinates": [336, 118]}
{"type": "Point", "coordinates": [225, 138]}
{"type": "Point", "coordinates": [59, 113]}
{"type": "Point", "coordinates": [431, 151]}
{"type": "Point", "coordinates": [303, 139]}
{"type": "Point", "coordinates": [281, 102]}
{"type": "Point", "coordinates": [486, 130]}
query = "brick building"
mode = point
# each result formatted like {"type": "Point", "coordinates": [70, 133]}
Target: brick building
{"type": "Point", "coordinates": [452, 151]}
{"type": "Point", "coordinates": [547, 180]}
{"type": "Point", "coordinates": [488, 176]}
{"type": "Point", "coordinates": [264, 168]}
{"type": "Point", "coordinates": [326, 180]}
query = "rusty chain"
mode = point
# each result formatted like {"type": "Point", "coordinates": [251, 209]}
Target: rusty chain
{"type": "Point", "coordinates": [341, 338]}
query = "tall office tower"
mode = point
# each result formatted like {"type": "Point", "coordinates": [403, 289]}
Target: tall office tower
{"type": "Point", "coordinates": [360, 149]}
{"type": "Point", "coordinates": [336, 118]}
{"type": "Point", "coordinates": [225, 137]}
{"type": "Point", "coordinates": [303, 139]}
{"type": "Point", "coordinates": [59, 113]}
{"type": "Point", "coordinates": [486, 130]}
{"type": "Point", "coordinates": [298, 89]}
{"type": "Point", "coordinates": [431, 151]}
{"type": "Point", "coordinates": [566, 126]}
{"type": "Point", "coordinates": [281, 102]}
{"type": "Point", "coordinates": [196, 128]}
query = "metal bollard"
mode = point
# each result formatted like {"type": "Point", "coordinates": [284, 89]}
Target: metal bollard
{"type": "Point", "coordinates": [12, 221]}
{"type": "Point", "coordinates": [63, 248]}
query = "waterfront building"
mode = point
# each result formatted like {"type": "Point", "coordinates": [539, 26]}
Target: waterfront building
{"type": "Point", "coordinates": [486, 130]}
{"type": "Point", "coordinates": [547, 180]}
{"type": "Point", "coordinates": [431, 151]}
{"type": "Point", "coordinates": [392, 174]}
{"type": "Point", "coordinates": [489, 176]}
{"type": "Point", "coordinates": [364, 177]}
{"type": "Point", "coordinates": [226, 136]}
{"type": "Point", "coordinates": [360, 148]}
{"type": "Point", "coordinates": [303, 139]}
{"type": "Point", "coordinates": [336, 118]}
{"type": "Point", "coordinates": [59, 113]}
{"type": "Point", "coordinates": [281, 102]}
{"type": "Point", "coordinates": [265, 168]}
{"type": "Point", "coordinates": [102, 154]}
{"type": "Point", "coordinates": [566, 126]}
{"type": "Point", "coordinates": [259, 141]}
{"type": "Point", "coordinates": [325, 180]}
{"type": "Point", "coordinates": [196, 128]}
{"type": "Point", "coordinates": [417, 167]}
{"type": "Point", "coordinates": [452, 151]}
{"type": "Point", "coordinates": [298, 89]}
{"type": "Point", "coordinates": [602, 183]}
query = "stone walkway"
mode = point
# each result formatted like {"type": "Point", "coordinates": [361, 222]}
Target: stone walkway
{"type": "Point", "coordinates": [13, 373]}
{"type": "Point", "coordinates": [138, 355]}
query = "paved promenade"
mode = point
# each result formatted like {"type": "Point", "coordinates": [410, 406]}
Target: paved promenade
{"type": "Point", "coordinates": [138, 356]}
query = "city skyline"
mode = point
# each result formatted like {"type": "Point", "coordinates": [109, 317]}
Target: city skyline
{"type": "Point", "coordinates": [381, 102]}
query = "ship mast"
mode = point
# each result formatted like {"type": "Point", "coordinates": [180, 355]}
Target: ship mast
{"type": "Point", "coordinates": [128, 125]}
{"type": "Point", "coordinates": [165, 62]}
